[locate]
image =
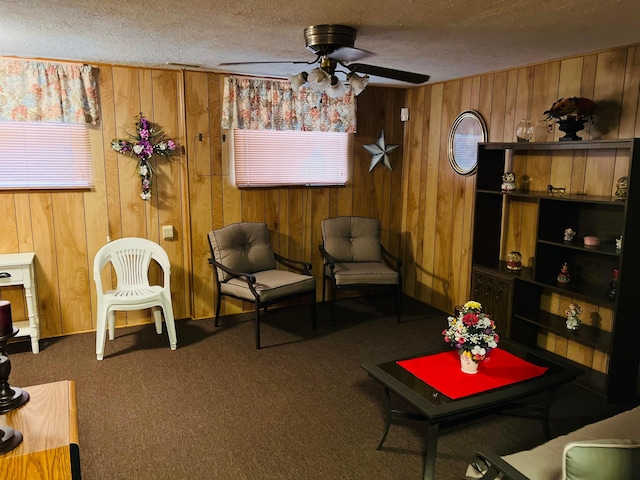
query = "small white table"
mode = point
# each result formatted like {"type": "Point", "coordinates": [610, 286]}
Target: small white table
{"type": "Point", "coordinates": [19, 269]}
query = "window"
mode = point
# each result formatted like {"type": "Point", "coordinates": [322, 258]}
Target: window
{"type": "Point", "coordinates": [43, 155]}
{"type": "Point", "coordinates": [265, 158]}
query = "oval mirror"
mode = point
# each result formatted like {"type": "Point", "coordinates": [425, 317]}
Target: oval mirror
{"type": "Point", "coordinates": [467, 131]}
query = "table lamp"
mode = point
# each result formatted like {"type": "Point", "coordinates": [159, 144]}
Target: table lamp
{"type": "Point", "coordinates": [10, 397]}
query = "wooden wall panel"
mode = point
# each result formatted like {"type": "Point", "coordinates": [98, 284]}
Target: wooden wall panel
{"type": "Point", "coordinates": [503, 98]}
{"type": "Point", "coordinates": [66, 229]}
{"type": "Point", "coordinates": [294, 215]}
{"type": "Point", "coordinates": [424, 207]}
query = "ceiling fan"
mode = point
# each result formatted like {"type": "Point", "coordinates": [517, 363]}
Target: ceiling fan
{"type": "Point", "coordinates": [334, 47]}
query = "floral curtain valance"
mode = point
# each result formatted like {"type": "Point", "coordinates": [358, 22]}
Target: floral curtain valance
{"type": "Point", "coordinates": [260, 104]}
{"type": "Point", "coordinates": [47, 92]}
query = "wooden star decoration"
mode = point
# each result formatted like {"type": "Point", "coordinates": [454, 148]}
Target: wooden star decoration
{"type": "Point", "coordinates": [380, 152]}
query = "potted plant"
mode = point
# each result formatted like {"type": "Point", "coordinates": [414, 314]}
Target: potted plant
{"type": "Point", "coordinates": [571, 114]}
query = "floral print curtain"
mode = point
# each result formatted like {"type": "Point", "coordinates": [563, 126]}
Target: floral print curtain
{"type": "Point", "coordinates": [261, 104]}
{"type": "Point", "coordinates": [47, 92]}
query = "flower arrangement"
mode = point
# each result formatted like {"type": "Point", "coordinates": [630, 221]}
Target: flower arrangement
{"type": "Point", "coordinates": [148, 140]}
{"type": "Point", "coordinates": [571, 108]}
{"type": "Point", "coordinates": [473, 333]}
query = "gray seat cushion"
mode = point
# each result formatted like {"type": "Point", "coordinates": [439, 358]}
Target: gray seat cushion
{"type": "Point", "coordinates": [270, 285]}
{"type": "Point", "coordinates": [352, 239]}
{"type": "Point", "coordinates": [243, 247]}
{"type": "Point", "coordinates": [364, 273]}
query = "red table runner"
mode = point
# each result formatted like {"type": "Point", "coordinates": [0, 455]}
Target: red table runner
{"type": "Point", "coordinates": [442, 372]}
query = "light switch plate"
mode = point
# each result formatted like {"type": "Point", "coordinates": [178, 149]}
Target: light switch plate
{"type": "Point", "coordinates": [167, 232]}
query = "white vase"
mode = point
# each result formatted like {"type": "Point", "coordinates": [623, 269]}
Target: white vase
{"type": "Point", "coordinates": [467, 364]}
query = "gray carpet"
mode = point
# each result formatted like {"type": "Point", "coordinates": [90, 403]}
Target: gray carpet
{"type": "Point", "coordinates": [300, 408]}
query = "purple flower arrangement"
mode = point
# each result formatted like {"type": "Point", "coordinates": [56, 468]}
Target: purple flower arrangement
{"type": "Point", "coordinates": [148, 140]}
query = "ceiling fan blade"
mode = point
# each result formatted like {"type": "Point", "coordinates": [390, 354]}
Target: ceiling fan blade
{"type": "Point", "coordinates": [276, 61]}
{"type": "Point", "coordinates": [400, 75]}
{"type": "Point", "coordinates": [349, 54]}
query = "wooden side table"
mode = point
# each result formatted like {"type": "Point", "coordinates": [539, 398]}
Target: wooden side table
{"type": "Point", "coordinates": [19, 269]}
{"type": "Point", "coordinates": [49, 426]}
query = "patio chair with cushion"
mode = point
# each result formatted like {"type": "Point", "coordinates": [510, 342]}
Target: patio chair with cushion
{"type": "Point", "coordinates": [354, 259]}
{"type": "Point", "coordinates": [245, 267]}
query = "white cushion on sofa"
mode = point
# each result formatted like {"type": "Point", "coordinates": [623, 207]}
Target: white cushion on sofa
{"type": "Point", "coordinates": [609, 459]}
{"type": "Point", "coordinates": [545, 461]}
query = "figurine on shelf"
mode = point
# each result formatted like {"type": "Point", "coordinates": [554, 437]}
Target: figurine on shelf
{"type": "Point", "coordinates": [514, 261]}
{"type": "Point", "coordinates": [621, 187]}
{"type": "Point", "coordinates": [508, 181]}
{"type": "Point", "coordinates": [573, 322]}
{"type": "Point", "coordinates": [557, 191]}
{"type": "Point", "coordinates": [613, 286]}
{"type": "Point", "coordinates": [569, 233]}
{"type": "Point", "coordinates": [619, 243]}
{"type": "Point", "coordinates": [564, 277]}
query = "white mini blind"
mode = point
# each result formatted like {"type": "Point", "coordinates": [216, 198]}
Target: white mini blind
{"type": "Point", "coordinates": [265, 158]}
{"type": "Point", "coordinates": [43, 155]}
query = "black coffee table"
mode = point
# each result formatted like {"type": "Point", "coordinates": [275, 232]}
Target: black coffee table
{"type": "Point", "coordinates": [437, 409]}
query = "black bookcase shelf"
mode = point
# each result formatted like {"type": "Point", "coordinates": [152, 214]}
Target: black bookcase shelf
{"type": "Point", "coordinates": [585, 335]}
{"type": "Point", "coordinates": [606, 217]}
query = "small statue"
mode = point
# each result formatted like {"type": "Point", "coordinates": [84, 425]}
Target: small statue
{"type": "Point", "coordinates": [573, 322]}
{"type": "Point", "coordinates": [621, 187]}
{"type": "Point", "coordinates": [514, 261]}
{"type": "Point", "coordinates": [569, 233]}
{"type": "Point", "coordinates": [619, 243]}
{"type": "Point", "coordinates": [564, 276]}
{"type": "Point", "coordinates": [557, 191]}
{"type": "Point", "coordinates": [508, 181]}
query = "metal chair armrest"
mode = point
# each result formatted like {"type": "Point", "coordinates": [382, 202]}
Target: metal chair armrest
{"type": "Point", "coordinates": [296, 264]}
{"type": "Point", "coordinates": [392, 257]}
{"type": "Point", "coordinates": [251, 279]}
{"type": "Point", "coordinates": [327, 259]}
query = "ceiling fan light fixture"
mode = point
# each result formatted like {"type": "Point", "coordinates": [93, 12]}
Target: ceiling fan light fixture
{"type": "Point", "coordinates": [358, 83]}
{"type": "Point", "coordinates": [297, 81]}
{"type": "Point", "coordinates": [336, 89]}
{"type": "Point", "coordinates": [318, 79]}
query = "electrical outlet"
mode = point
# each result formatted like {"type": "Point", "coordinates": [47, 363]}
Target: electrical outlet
{"type": "Point", "coordinates": [404, 114]}
{"type": "Point", "coordinates": [167, 232]}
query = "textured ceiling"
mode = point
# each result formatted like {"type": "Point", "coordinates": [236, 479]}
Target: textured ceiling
{"type": "Point", "coordinates": [442, 38]}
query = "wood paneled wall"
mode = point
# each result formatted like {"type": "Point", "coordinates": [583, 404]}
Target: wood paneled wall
{"type": "Point", "coordinates": [191, 191]}
{"type": "Point", "coordinates": [293, 215]}
{"type": "Point", "coordinates": [66, 229]}
{"type": "Point", "coordinates": [438, 202]}
{"type": "Point", "coordinates": [424, 207]}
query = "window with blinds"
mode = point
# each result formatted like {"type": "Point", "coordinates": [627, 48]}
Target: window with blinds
{"type": "Point", "coordinates": [268, 158]}
{"type": "Point", "coordinates": [43, 155]}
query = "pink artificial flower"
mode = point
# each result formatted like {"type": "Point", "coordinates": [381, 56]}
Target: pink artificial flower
{"type": "Point", "coordinates": [470, 319]}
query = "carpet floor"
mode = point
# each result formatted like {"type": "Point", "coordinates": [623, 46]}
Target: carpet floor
{"type": "Point", "coordinates": [302, 407]}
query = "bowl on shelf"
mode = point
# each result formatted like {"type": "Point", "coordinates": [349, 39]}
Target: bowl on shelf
{"type": "Point", "coordinates": [591, 241]}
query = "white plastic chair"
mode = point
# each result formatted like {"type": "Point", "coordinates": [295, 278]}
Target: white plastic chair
{"type": "Point", "coordinates": [131, 258]}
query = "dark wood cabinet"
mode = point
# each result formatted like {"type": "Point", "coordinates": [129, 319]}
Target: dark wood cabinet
{"type": "Point", "coordinates": [494, 290]}
{"type": "Point", "coordinates": [521, 300]}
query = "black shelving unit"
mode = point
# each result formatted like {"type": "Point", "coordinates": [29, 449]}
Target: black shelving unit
{"type": "Point", "coordinates": [606, 217]}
